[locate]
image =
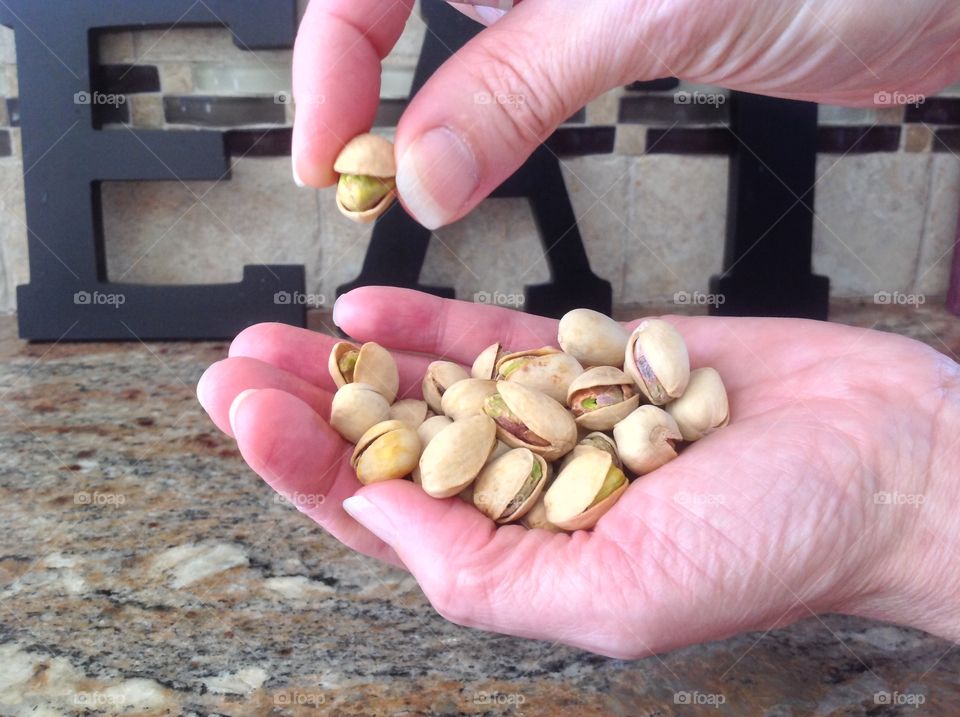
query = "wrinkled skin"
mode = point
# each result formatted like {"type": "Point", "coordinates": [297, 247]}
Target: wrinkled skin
{"type": "Point", "coordinates": [767, 521]}
{"type": "Point", "coordinates": [546, 59]}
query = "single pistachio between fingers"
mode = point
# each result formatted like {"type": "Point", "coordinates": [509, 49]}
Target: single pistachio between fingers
{"type": "Point", "coordinates": [368, 171]}
{"type": "Point", "coordinates": [440, 376]}
{"type": "Point", "coordinates": [656, 359]}
{"type": "Point", "coordinates": [388, 451]}
{"type": "Point", "coordinates": [584, 491]}
{"type": "Point", "coordinates": [703, 407]}
{"type": "Point", "coordinates": [647, 439]}
{"type": "Point", "coordinates": [509, 486]}
{"type": "Point", "coordinates": [355, 408]}
{"type": "Point", "coordinates": [601, 397]}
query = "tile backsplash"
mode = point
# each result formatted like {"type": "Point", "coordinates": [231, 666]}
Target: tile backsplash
{"type": "Point", "coordinates": [646, 168]}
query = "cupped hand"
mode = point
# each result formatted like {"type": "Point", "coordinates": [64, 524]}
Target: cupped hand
{"type": "Point", "coordinates": [483, 113]}
{"type": "Point", "coordinates": [830, 489]}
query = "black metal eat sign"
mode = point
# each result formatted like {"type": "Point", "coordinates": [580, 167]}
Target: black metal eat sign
{"type": "Point", "coordinates": [65, 158]}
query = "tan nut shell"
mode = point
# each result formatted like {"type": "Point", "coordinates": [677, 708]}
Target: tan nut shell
{"type": "Point", "coordinates": [642, 439]}
{"type": "Point", "coordinates": [536, 518]}
{"type": "Point", "coordinates": [368, 155]}
{"type": "Point", "coordinates": [465, 398]}
{"type": "Point", "coordinates": [456, 456]}
{"type": "Point", "coordinates": [501, 480]}
{"type": "Point", "coordinates": [427, 431]}
{"type": "Point", "coordinates": [606, 444]}
{"type": "Point", "coordinates": [355, 408]}
{"type": "Point", "coordinates": [549, 371]}
{"type": "Point", "coordinates": [388, 451]}
{"type": "Point", "coordinates": [666, 354]}
{"type": "Point", "coordinates": [594, 339]}
{"type": "Point", "coordinates": [375, 367]}
{"type": "Point", "coordinates": [485, 364]}
{"type": "Point", "coordinates": [703, 407]}
{"type": "Point", "coordinates": [409, 410]}
{"type": "Point", "coordinates": [603, 419]}
{"type": "Point", "coordinates": [568, 500]}
{"type": "Point", "coordinates": [440, 376]}
{"type": "Point", "coordinates": [542, 415]}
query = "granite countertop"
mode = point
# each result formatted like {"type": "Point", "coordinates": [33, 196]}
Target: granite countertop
{"type": "Point", "coordinates": [144, 568]}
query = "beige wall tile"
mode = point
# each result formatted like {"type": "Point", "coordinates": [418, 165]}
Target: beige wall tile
{"type": "Point", "coordinates": [146, 111]}
{"type": "Point", "coordinates": [8, 45]}
{"type": "Point", "coordinates": [940, 229]}
{"type": "Point", "coordinates": [14, 266]}
{"type": "Point", "coordinates": [872, 210]}
{"type": "Point", "coordinates": [116, 48]}
{"type": "Point", "coordinates": [176, 78]}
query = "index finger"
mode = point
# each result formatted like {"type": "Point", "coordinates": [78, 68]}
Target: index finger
{"type": "Point", "coordinates": [336, 78]}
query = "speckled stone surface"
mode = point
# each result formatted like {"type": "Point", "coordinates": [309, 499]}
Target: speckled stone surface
{"type": "Point", "coordinates": [145, 570]}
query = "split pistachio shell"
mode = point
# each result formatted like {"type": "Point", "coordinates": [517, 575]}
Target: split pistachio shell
{"type": "Point", "coordinates": [585, 490]}
{"type": "Point", "coordinates": [536, 517]}
{"type": "Point", "coordinates": [456, 455]}
{"type": "Point", "coordinates": [440, 376]}
{"type": "Point", "coordinates": [355, 408]}
{"type": "Point", "coordinates": [485, 364]}
{"type": "Point", "coordinates": [546, 370]}
{"type": "Point", "coordinates": [529, 419]}
{"type": "Point", "coordinates": [465, 398]}
{"type": "Point", "coordinates": [368, 171]}
{"type": "Point", "coordinates": [656, 359]}
{"type": "Point", "coordinates": [601, 397]}
{"type": "Point", "coordinates": [594, 339]}
{"type": "Point", "coordinates": [646, 439]}
{"type": "Point", "coordinates": [410, 411]}
{"type": "Point", "coordinates": [499, 450]}
{"type": "Point", "coordinates": [388, 451]}
{"type": "Point", "coordinates": [427, 431]}
{"type": "Point", "coordinates": [703, 407]}
{"type": "Point", "coordinates": [370, 364]}
{"type": "Point", "coordinates": [598, 441]}
{"type": "Point", "coordinates": [509, 486]}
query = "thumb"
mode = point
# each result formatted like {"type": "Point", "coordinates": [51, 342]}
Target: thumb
{"type": "Point", "coordinates": [495, 101]}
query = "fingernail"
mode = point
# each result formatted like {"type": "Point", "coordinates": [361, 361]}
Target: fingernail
{"type": "Point", "coordinates": [370, 517]}
{"type": "Point", "coordinates": [338, 312]}
{"type": "Point", "coordinates": [296, 174]}
{"type": "Point", "coordinates": [436, 177]}
{"type": "Point", "coordinates": [241, 397]}
{"type": "Point", "coordinates": [489, 14]}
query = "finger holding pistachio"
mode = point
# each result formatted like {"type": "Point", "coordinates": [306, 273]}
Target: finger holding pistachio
{"type": "Point", "coordinates": [368, 171]}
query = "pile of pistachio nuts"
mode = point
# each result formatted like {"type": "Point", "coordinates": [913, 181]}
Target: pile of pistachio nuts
{"type": "Point", "coordinates": [547, 437]}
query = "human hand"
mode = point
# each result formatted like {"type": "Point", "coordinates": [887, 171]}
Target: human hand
{"type": "Point", "coordinates": [779, 516]}
{"type": "Point", "coordinates": [557, 55]}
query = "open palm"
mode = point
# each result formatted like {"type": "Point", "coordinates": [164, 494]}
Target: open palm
{"type": "Point", "coordinates": [802, 505]}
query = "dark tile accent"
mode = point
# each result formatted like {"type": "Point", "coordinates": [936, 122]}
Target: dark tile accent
{"type": "Point", "coordinates": [936, 110]}
{"type": "Point", "coordinates": [5, 147]}
{"type": "Point", "coordinates": [664, 84]}
{"type": "Point", "coordinates": [857, 140]}
{"type": "Point", "coordinates": [259, 143]}
{"type": "Point", "coordinates": [665, 109]}
{"type": "Point", "coordinates": [686, 140]}
{"type": "Point", "coordinates": [111, 114]}
{"type": "Point", "coordinates": [210, 111]}
{"type": "Point", "coordinates": [389, 113]}
{"type": "Point", "coordinates": [947, 140]}
{"type": "Point", "coordinates": [126, 79]}
{"type": "Point", "coordinates": [579, 117]}
{"type": "Point", "coordinates": [13, 111]}
{"type": "Point", "coordinates": [581, 141]}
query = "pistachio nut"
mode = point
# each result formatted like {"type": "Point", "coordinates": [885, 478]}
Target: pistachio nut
{"type": "Point", "coordinates": [594, 339]}
{"type": "Point", "coordinates": [370, 364]}
{"type": "Point", "coordinates": [355, 408]}
{"type": "Point", "coordinates": [410, 411]}
{"type": "Point", "coordinates": [465, 398]}
{"type": "Point", "coordinates": [526, 418]}
{"type": "Point", "coordinates": [368, 171]}
{"type": "Point", "coordinates": [601, 397]}
{"type": "Point", "coordinates": [536, 517]}
{"type": "Point", "coordinates": [656, 359]}
{"type": "Point", "coordinates": [499, 450]}
{"type": "Point", "coordinates": [388, 451]}
{"type": "Point", "coordinates": [427, 431]}
{"type": "Point", "coordinates": [509, 486]}
{"type": "Point", "coordinates": [647, 439]}
{"type": "Point", "coordinates": [547, 370]}
{"type": "Point", "coordinates": [585, 490]}
{"type": "Point", "coordinates": [703, 407]}
{"type": "Point", "coordinates": [600, 441]}
{"type": "Point", "coordinates": [456, 455]}
{"type": "Point", "coordinates": [440, 376]}
{"type": "Point", "coordinates": [485, 365]}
